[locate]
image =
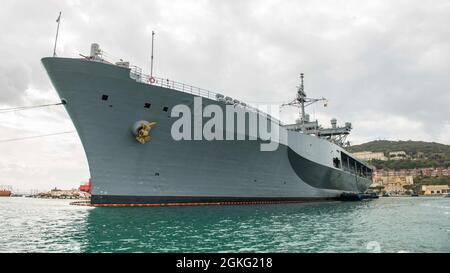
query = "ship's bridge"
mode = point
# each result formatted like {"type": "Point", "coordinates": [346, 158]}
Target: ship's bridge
{"type": "Point", "coordinates": [334, 134]}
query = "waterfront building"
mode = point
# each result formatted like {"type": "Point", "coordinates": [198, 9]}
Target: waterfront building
{"type": "Point", "coordinates": [398, 155]}
{"type": "Point", "coordinates": [419, 155]}
{"type": "Point", "coordinates": [366, 155]}
{"type": "Point", "coordinates": [434, 173]}
{"type": "Point", "coordinates": [393, 183]}
{"type": "Point", "coordinates": [414, 172]}
{"type": "Point", "coordinates": [445, 172]}
{"type": "Point", "coordinates": [426, 172]}
{"type": "Point", "coordinates": [64, 194]}
{"type": "Point", "coordinates": [435, 189]}
{"type": "Point", "coordinates": [381, 172]}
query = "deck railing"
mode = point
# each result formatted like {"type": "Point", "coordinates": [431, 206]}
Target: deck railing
{"type": "Point", "coordinates": [136, 74]}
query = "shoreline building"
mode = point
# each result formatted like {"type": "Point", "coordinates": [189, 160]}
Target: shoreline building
{"type": "Point", "coordinates": [435, 189]}
{"type": "Point", "coordinates": [398, 155]}
{"type": "Point", "coordinates": [392, 182]}
{"type": "Point", "coordinates": [367, 156]}
{"type": "Point", "coordinates": [426, 172]}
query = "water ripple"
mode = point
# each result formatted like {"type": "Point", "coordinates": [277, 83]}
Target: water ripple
{"type": "Point", "coordinates": [395, 224]}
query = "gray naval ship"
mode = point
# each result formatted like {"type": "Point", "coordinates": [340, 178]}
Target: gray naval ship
{"type": "Point", "coordinates": [123, 118]}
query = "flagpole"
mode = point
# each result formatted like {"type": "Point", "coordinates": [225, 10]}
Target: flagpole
{"type": "Point", "coordinates": [57, 32]}
{"type": "Point", "coordinates": [151, 68]}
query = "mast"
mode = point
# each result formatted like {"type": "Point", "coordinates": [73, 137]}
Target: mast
{"type": "Point", "coordinates": [57, 33]}
{"type": "Point", "coordinates": [151, 65]}
{"type": "Point", "coordinates": [301, 97]}
{"type": "Point", "coordinates": [334, 134]}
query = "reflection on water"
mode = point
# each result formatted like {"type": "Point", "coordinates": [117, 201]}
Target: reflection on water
{"type": "Point", "coordinates": [225, 228]}
{"type": "Point", "coordinates": [387, 224]}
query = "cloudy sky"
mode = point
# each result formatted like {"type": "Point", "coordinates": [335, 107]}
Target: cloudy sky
{"type": "Point", "coordinates": [383, 65]}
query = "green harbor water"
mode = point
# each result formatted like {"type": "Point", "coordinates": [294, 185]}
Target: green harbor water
{"type": "Point", "coordinates": [416, 224]}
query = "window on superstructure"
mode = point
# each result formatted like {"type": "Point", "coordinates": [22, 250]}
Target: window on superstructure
{"type": "Point", "coordinates": [148, 105]}
{"type": "Point", "coordinates": [105, 97]}
{"type": "Point", "coordinates": [166, 109]}
{"type": "Point", "coordinates": [345, 162]}
{"type": "Point", "coordinates": [352, 166]}
{"type": "Point", "coordinates": [336, 163]}
{"type": "Point", "coordinates": [358, 169]}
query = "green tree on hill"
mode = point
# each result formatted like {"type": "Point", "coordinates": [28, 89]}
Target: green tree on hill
{"type": "Point", "coordinates": [421, 154]}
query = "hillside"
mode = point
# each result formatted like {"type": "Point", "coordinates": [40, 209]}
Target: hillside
{"type": "Point", "coordinates": [410, 147]}
{"type": "Point", "coordinates": [421, 154]}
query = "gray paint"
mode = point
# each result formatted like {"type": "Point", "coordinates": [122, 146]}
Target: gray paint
{"type": "Point", "coordinates": [120, 166]}
{"type": "Point", "coordinates": [323, 177]}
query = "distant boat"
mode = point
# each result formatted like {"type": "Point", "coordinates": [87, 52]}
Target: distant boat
{"type": "Point", "coordinates": [371, 195]}
{"type": "Point", "coordinates": [17, 195]}
{"type": "Point", "coordinates": [415, 195]}
{"type": "Point", "coordinates": [386, 195]}
{"type": "Point", "coordinates": [5, 193]}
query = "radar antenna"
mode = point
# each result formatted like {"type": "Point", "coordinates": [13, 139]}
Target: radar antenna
{"type": "Point", "coordinates": [334, 134]}
{"type": "Point", "coordinates": [302, 101]}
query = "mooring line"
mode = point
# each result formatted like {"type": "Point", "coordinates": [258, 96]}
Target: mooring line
{"type": "Point", "coordinates": [33, 137]}
{"type": "Point", "coordinates": [16, 109]}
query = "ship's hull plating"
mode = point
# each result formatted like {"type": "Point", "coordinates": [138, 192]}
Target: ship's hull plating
{"type": "Point", "coordinates": [168, 171]}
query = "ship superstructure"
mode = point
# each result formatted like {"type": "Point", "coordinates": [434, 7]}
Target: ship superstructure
{"type": "Point", "coordinates": [335, 134]}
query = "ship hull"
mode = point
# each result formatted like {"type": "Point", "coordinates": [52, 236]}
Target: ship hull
{"type": "Point", "coordinates": [163, 170]}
